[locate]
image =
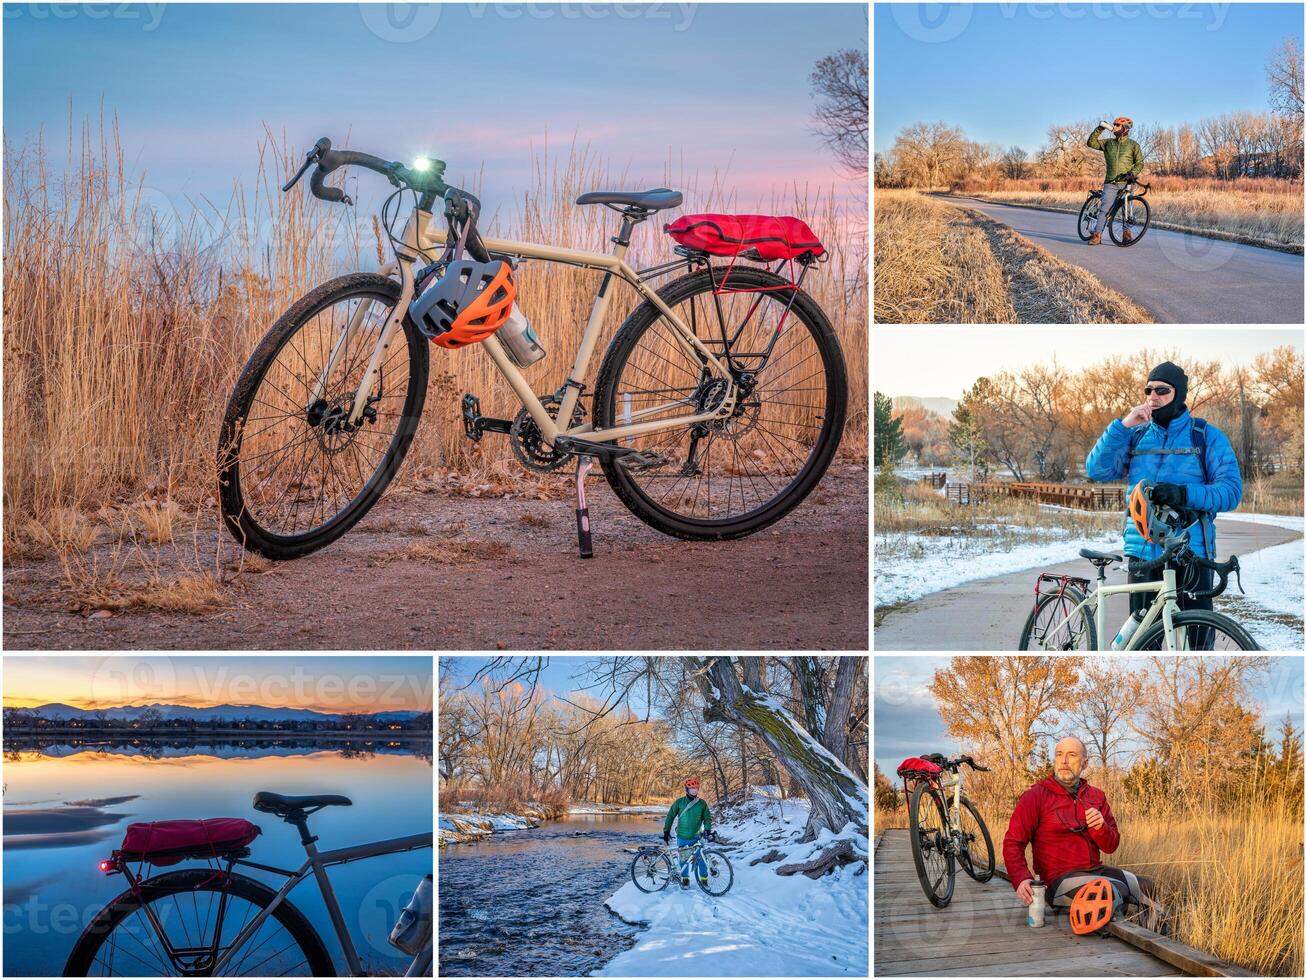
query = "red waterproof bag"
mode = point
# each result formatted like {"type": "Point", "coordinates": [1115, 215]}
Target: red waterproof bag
{"type": "Point", "coordinates": [914, 768]}
{"type": "Point", "coordinates": [166, 842]}
{"type": "Point", "coordinates": [772, 238]}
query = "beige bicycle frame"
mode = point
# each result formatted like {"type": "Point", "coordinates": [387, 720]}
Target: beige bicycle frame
{"type": "Point", "coordinates": [420, 238]}
{"type": "Point", "coordinates": [1165, 605]}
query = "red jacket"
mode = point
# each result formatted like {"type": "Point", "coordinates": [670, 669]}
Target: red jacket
{"type": "Point", "coordinates": [1045, 817]}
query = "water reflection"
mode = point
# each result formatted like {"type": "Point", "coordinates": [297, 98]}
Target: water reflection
{"type": "Point", "coordinates": [67, 802]}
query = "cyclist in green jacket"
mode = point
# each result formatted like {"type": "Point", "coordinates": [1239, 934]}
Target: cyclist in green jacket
{"type": "Point", "coordinates": [1125, 161]}
{"type": "Point", "coordinates": [690, 813]}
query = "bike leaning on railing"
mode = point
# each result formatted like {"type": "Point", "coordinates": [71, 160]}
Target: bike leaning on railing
{"type": "Point", "coordinates": [212, 921]}
{"type": "Point", "coordinates": [1127, 222]}
{"type": "Point", "coordinates": [654, 867]}
{"type": "Point", "coordinates": [945, 828]}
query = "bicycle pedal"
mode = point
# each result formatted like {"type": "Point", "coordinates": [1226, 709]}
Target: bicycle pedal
{"type": "Point", "coordinates": [641, 460]}
{"type": "Point", "coordinates": [471, 416]}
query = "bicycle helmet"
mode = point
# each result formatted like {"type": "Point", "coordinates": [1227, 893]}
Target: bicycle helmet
{"type": "Point", "coordinates": [1139, 508]}
{"type": "Point", "coordinates": [692, 782]}
{"type": "Point", "coordinates": [1091, 909]}
{"type": "Point", "coordinates": [1123, 121]}
{"type": "Point", "coordinates": [467, 304]}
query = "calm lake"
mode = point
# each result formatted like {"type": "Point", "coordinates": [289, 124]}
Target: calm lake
{"type": "Point", "coordinates": [66, 806]}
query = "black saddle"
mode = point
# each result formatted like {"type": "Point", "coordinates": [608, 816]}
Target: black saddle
{"type": "Point", "coordinates": [282, 805]}
{"type": "Point", "coordinates": [1100, 558]}
{"type": "Point", "coordinates": [657, 199]}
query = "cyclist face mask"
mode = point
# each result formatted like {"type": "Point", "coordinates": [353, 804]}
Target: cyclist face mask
{"type": "Point", "coordinates": [1169, 374]}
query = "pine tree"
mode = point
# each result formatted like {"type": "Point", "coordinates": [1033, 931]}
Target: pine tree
{"type": "Point", "coordinates": [890, 446]}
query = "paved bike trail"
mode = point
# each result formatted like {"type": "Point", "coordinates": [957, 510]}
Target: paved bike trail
{"type": "Point", "coordinates": [988, 614]}
{"type": "Point", "coordinates": [1178, 277]}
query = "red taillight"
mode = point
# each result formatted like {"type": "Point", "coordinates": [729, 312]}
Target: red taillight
{"type": "Point", "coordinates": [106, 865]}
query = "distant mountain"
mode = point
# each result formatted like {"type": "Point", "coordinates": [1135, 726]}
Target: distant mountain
{"type": "Point", "coordinates": [220, 712]}
{"type": "Point", "coordinates": [942, 407]}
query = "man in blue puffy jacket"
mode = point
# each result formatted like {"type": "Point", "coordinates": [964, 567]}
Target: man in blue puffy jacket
{"type": "Point", "coordinates": [1191, 462]}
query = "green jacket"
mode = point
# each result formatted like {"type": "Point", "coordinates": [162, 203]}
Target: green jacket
{"type": "Point", "coordinates": [1125, 160]}
{"type": "Point", "coordinates": [689, 815]}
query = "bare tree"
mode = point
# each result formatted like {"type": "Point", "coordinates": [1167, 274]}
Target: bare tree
{"type": "Point", "coordinates": [1014, 162]}
{"type": "Point", "coordinates": [1284, 74]}
{"type": "Point", "coordinates": [839, 84]}
{"type": "Point", "coordinates": [1108, 698]}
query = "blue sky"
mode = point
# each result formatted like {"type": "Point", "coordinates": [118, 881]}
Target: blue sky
{"type": "Point", "coordinates": [1005, 72]}
{"type": "Point", "coordinates": [324, 683]}
{"type": "Point", "coordinates": [907, 722]}
{"type": "Point", "coordinates": [715, 88]}
{"type": "Point", "coordinates": [562, 675]}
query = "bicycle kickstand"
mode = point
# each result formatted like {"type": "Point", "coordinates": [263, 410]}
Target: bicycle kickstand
{"type": "Point", "coordinates": [583, 464]}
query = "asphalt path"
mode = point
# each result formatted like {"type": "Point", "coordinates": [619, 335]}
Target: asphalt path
{"type": "Point", "coordinates": [1178, 277]}
{"type": "Point", "coordinates": [988, 614]}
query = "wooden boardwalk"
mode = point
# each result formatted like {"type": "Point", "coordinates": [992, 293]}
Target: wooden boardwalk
{"type": "Point", "coordinates": [983, 932]}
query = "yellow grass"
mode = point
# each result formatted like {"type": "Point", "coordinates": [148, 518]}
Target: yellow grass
{"type": "Point", "coordinates": [122, 341]}
{"type": "Point", "coordinates": [939, 263]}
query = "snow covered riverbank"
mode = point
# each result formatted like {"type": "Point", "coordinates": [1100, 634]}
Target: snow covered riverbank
{"type": "Point", "coordinates": [461, 828]}
{"type": "Point", "coordinates": [766, 925]}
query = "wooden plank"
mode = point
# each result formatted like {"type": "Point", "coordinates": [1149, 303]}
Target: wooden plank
{"type": "Point", "coordinates": [983, 932]}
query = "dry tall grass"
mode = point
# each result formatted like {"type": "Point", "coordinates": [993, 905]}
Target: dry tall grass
{"type": "Point", "coordinates": [937, 263]}
{"type": "Point", "coordinates": [124, 332]}
{"type": "Point", "coordinates": [1230, 868]}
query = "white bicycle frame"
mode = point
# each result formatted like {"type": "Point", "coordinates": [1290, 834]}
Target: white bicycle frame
{"type": "Point", "coordinates": [419, 238]}
{"type": "Point", "coordinates": [1165, 606]}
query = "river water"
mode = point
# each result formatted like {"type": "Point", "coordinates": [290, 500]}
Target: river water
{"type": "Point", "coordinates": [531, 902]}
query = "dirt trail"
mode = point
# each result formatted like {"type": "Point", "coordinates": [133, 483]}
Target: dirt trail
{"type": "Point", "coordinates": [426, 571]}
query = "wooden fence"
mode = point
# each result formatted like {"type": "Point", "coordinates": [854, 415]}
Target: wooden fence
{"type": "Point", "coordinates": [1062, 494]}
{"type": "Point", "coordinates": [935, 481]}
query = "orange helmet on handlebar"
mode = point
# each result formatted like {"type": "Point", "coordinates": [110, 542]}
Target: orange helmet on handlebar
{"type": "Point", "coordinates": [1140, 505]}
{"type": "Point", "coordinates": [467, 304]}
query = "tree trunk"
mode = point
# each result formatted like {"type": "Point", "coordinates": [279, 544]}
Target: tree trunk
{"type": "Point", "coordinates": [835, 735]}
{"type": "Point", "coordinates": [836, 796]}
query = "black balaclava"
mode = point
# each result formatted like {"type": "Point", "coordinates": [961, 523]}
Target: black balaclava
{"type": "Point", "coordinates": [1172, 375]}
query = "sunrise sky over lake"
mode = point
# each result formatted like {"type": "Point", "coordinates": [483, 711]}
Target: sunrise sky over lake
{"type": "Point", "coordinates": [330, 684]}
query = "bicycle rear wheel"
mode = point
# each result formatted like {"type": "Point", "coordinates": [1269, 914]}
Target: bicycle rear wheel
{"type": "Point", "coordinates": [1088, 218]}
{"type": "Point", "coordinates": [293, 474]}
{"type": "Point", "coordinates": [651, 871]}
{"type": "Point", "coordinates": [1052, 626]}
{"type": "Point", "coordinates": [733, 476]}
{"type": "Point", "coordinates": [928, 827]}
{"type": "Point", "coordinates": [1198, 629]}
{"type": "Point", "coordinates": [171, 928]}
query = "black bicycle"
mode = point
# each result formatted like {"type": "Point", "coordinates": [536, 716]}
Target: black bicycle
{"type": "Point", "coordinates": [1127, 222]}
{"type": "Point", "coordinates": [945, 832]}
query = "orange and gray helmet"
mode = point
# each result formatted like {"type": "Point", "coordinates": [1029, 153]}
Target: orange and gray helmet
{"type": "Point", "coordinates": [1091, 909]}
{"type": "Point", "coordinates": [467, 304]}
{"type": "Point", "coordinates": [1125, 121]}
{"type": "Point", "coordinates": [1139, 507]}
{"type": "Point", "coordinates": [692, 782]}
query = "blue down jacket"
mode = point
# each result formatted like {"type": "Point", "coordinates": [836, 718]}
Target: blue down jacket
{"type": "Point", "coordinates": [1222, 490]}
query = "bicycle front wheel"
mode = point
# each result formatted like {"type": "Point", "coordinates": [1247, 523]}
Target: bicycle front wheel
{"type": "Point", "coordinates": [182, 922]}
{"type": "Point", "coordinates": [1055, 623]}
{"type": "Point", "coordinates": [736, 475]}
{"type": "Point", "coordinates": [1129, 222]}
{"type": "Point", "coordinates": [720, 874]}
{"type": "Point", "coordinates": [977, 853]}
{"type": "Point", "coordinates": [294, 473]}
{"type": "Point", "coordinates": [928, 826]}
{"type": "Point", "coordinates": [1197, 629]}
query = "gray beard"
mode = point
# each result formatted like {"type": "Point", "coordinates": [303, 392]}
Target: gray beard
{"type": "Point", "coordinates": [1071, 785]}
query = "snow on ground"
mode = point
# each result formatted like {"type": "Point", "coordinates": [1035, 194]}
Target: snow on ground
{"type": "Point", "coordinates": [766, 925]}
{"type": "Point", "coordinates": [457, 828]}
{"type": "Point", "coordinates": [939, 563]}
{"type": "Point", "coordinates": [616, 808]}
{"type": "Point", "coordinates": [1272, 610]}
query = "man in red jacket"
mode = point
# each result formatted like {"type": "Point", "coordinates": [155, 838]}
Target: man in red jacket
{"type": "Point", "coordinates": [1068, 825]}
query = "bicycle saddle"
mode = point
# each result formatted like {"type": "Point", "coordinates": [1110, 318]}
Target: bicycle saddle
{"type": "Point", "coordinates": [282, 805]}
{"type": "Point", "coordinates": [655, 200]}
{"type": "Point", "coordinates": [1100, 558]}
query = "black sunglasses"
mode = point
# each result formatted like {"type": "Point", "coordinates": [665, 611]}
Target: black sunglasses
{"type": "Point", "coordinates": [1157, 390]}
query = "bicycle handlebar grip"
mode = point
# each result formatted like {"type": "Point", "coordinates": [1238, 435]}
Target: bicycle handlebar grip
{"type": "Point", "coordinates": [320, 190]}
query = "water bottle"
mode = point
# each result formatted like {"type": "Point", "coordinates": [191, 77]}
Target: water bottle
{"type": "Point", "coordinates": [1035, 913]}
{"type": "Point", "coordinates": [412, 931]}
{"type": "Point", "coordinates": [1127, 630]}
{"type": "Point", "coordinates": [519, 339]}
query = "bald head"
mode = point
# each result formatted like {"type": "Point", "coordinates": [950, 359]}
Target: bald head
{"type": "Point", "coordinates": [1070, 759]}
